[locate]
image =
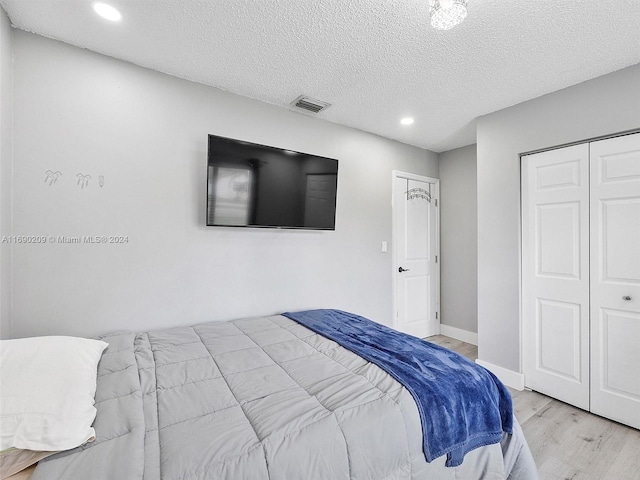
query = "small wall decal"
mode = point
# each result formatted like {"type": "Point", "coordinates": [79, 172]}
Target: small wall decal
{"type": "Point", "coordinates": [83, 180]}
{"type": "Point", "coordinates": [419, 193]}
{"type": "Point", "coordinates": [52, 177]}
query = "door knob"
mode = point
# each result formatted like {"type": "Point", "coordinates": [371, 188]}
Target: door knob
{"type": "Point", "coordinates": [400, 269]}
{"type": "Point", "coordinates": [626, 297]}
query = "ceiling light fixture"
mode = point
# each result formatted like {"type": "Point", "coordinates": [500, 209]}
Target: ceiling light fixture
{"type": "Point", "coordinates": [107, 11]}
{"type": "Point", "coordinates": [446, 14]}
{"type": "Point", "coordinates": [406, 121]}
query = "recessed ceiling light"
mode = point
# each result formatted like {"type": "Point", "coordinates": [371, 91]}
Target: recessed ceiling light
{"type": "Point", "coordinates": [406, 121]}
{"type": "Point", "coordinates": [107, 11]}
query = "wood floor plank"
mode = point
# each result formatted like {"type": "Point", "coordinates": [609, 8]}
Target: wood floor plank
{"type": "Point", "coordinates": [568, 443]}
{"type": "Point", "coordinates": [527, 403]}
{"type": "Point", "coordinates": [626, 464]}
{"type": "Point", "coordinates": [468, 350]}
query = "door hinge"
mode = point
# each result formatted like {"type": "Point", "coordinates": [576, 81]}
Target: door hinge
{"type": "Point", "coordinates": [436, 258]}
{"type": "Point", "coordinates": [436, 315]}
{"type": "Point", "coordinates": [436, 202]}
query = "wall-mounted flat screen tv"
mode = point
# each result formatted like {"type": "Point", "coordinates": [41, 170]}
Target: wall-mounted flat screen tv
{"type": "Point", "coordinates": [252, 185]}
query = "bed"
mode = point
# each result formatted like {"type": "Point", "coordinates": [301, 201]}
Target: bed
{"type": "Point", "coordinates": [260, 398]}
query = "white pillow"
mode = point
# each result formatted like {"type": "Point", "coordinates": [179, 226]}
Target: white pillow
{"type": "Point", "coordinates": [47, 392]}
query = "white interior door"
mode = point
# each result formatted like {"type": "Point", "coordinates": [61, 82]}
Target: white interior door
{"type": "Point", "coordinates": [416, 271]}
{"type": "Point", "coordinates": [555, 273]}
{"type": "Point", "coordinates": [615, 279]}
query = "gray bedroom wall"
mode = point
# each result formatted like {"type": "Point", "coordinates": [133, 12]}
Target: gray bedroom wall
{"type": "Point", "coordinates": [605, 105]}
{"type": "Point", "coordinates": [6, 65]}
{"type": "Point", "coordinates": [459, 239]}
{"type": "Point", "coordinates": [145, 134]}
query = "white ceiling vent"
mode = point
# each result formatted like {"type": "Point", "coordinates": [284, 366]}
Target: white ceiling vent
{"type": "Point", "coordinates": [309, 104]}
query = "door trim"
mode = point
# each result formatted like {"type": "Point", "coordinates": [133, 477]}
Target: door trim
{"type": "Point", "coordinates": [394, 264]}
{"type": "Point", "coordinates": [586, 140]}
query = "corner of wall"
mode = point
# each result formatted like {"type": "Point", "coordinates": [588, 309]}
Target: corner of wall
{"type": "Point", "coordinates": [459, 240]}
{"type": "Point", "coordinates": [6, 160]}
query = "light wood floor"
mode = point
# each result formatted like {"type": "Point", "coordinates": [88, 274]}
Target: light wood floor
{"type": "Point", "coordinates": [568, 443]}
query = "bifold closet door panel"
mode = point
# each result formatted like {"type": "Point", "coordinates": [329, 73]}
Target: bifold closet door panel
{"type": "Point", "coordinates": [615, 278]}
{"type": "Point", "coordinates": [555, 273]}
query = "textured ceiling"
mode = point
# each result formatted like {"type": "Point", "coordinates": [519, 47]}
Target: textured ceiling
{"type": "Point", "coordinates": [375, 61]}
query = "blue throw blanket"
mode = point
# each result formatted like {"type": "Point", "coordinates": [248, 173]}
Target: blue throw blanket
{"type": "Point", "coordinates": [462, 405]}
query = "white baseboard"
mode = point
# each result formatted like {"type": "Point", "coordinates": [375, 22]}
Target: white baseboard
{"type": "Point", "coordinates": [459, 334]}
{"type": "Point", "coordinates": [508, 377]}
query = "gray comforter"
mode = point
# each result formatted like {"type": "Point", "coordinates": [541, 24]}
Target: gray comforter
{"type": "Point", "coordinates": [261, 398]}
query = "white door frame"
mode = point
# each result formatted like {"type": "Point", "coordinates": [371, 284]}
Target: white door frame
{"type": "Point", "coordinates": [394, 264]}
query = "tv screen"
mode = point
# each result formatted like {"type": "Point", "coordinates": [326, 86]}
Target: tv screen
{"type": "Point", "coordinates": [251, 185]}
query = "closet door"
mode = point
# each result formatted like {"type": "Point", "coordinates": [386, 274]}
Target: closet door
{"type": "Point", "coordinates": [615, 279]}
{"type": "Point", "coordinates": [555, 273]}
